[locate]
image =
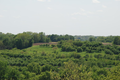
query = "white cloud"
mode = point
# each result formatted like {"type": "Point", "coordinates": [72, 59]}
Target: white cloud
{"type": "Point", "coordinates": [73, 18]}
{"type": "Point", "coordinates": [49, 8]}
{"type": "Point", "coordinates": [90, 12]}
{"type": "Point", "coordinates": [117, 0]}
{"type": "Point", "coordinates": [1, 16]}
{"type": "Point", "coordinates": [16, 16]}
{"type": "Point", "coordinates": [99, 10]}
{"type": "Point", "coordinates": [5, 10]}
{"type": "Point", "coordinates": [42, 0]}
{"type": "Point", "coordinates": [104, 20]}
{"type": "Point", "coordinates": [49, 0]}
{"type": "Point", "coordinates": [78, 13]}
{"type": "Point", "coordinates": [95, 1]}
{"type": "Point", "coordinates": [82, 9]}
{"type": "Point", "coordinates": [104, 6]}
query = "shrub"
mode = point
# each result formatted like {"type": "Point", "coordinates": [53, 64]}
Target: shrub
{"type": "Point", "coordinates": [83, 47]}
{"type": "Point", "coordinates": [115, 51]}
{"type": "Point", "coordinates": [89, 50]}
{"type": "Point", "coordinates": [67, 48]}
{"type": "Point", "coordinates": [79, 49]}
{"type": "Point", "coordinates": [98, 56]}
{"type": "Point", "coordinates": [53, 45]}
{"type": "Point", "coordinates": [86, 56]}
{"type": "Point", "coordinates": [107, 51]}
{"type": "Point", "coordinates": [75, 55]}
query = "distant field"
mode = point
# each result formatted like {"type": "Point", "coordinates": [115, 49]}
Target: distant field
{"type": "Point", "coordinates": [55, 43]}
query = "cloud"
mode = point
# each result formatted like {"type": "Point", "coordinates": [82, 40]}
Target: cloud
{"type": "Point", "coordinates": [49, 8]}
{"type": "Point", "coordinates": [82, 9]}
{"type": "Point", "coordinates": [104, 6]}
{"type": "Point", "coordinates": [73, 18]}
{"type": "Point", "coordinates": [49, 0]}
{"type": "Point", "coordinates": [1, 16]}
{"type": "Point", "coordinates": [104, 20]}
{"type": "Point", "coordinates": [42, 0]}
{"type": "Point", "coordinates": [95, 1]}
{"type": "Point", "coordinates": [90, 12]}
{"type": "Point", "coordinates": [99, 10]}
{"type": "Point", "coordinates": [83, 13]}
{"type": "Point", "coordinates": [117, 0]}
{"type": "Point", "coordinates": [16, 16]}
{"type": "Point", "coordinates": [78, 13]}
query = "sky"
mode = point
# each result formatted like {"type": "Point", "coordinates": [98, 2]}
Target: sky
{"type": "Point", "coordinates": [73, 17]}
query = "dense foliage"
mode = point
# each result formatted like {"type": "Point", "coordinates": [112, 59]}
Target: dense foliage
{"type": "Point", "coordinates": [26, 39]}
{"type": "Point", "coordinates": [68, 60]}
{"type": "Point", "coordinates": [108, 39]}
{"type": "Point", "coordinates": [116, 40]}
{"type": "Point", "coordinates": [76, 60]}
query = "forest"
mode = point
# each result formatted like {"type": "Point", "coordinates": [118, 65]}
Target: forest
{"type": "Point", "coordinates": [72, 58]}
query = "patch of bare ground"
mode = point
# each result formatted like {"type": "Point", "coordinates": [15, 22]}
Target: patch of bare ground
{"type": "Point", "coordinates": [55, 43]}
{"type": "Point", "coordinates": [107, 43]}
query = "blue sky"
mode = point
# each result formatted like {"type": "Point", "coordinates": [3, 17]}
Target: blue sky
{"type": "Point", "coordinates": [74, 17]}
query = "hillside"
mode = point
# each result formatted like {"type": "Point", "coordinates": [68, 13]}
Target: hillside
{"type": "Point", "coordinates": [52, 62]}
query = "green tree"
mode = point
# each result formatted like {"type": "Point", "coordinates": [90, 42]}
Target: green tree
{"type": "Point", "coordinates": [3, 70]}
{"type": "Point", "coordinates": [23, 40]}
{"type": "Point", "coordinates": [92, 39]}
{"type": "Point", "coordinates": [116, 40]}
{"type": "Point", "coordinates": [34, 67]}
{"type": "Point", "coordinates": [42, 37]}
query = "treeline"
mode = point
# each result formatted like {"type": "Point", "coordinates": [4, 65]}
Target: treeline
{"type": "Point", "coordinates": [26, 39]}
{"type": "Point", "coordinates": [96, 38]}
{"type": "Point", "coordinates": [108, 39]}
{"type": "Point", "coordinates": [84, 38]}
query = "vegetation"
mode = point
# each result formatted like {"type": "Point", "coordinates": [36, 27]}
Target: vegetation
{"type": "Point", "coordinates": [26, 39]}
{"type": "Point", "coordinates": [68, 60]}
{"type": "Point", "coordinates": [108, 39]}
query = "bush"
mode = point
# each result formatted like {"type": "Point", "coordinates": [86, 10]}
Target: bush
{"type": "Point", "coordinates": [75, 55]}
{"type": "Point", "coordinates": [107, 51]}
{"type": "Point", "coordinates": [89, 50]}
{"type": "Point", "coordinates": [86, 56]}
{"type": "Point", "coordinates": [98, 56]}
{"type": "Point", "coordinates": [68, 48]}
{"type": "Point", "coordinates": [99, 50]}
{"type": "Point", "coordinates": [78, 43]}
{"type": "Point", "coordinates": [53, 45]}
{"type": "Point", "coordinates": [115, 51]}
{"type": "Point", "coordinates": [79, 49]}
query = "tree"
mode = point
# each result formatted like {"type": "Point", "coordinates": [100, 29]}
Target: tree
{"type": "Point", "coordinates": [92, 39]}
{"type": "Point", "coordinates": [23, 40]}
{"type": "Point", "coordinates": [3, 70]}
{"type": "Point", "coordinates": [36, 37]}
{"type": "Point", "coordinates": [42, 37]}
{"type": "Point", "coordinates": [79, 49]}
{"type": "Point", "coordinates": [116, 40]}
{"type": "Point", "coordinates": [1, 45]}
{"type": "Point", "coordinates": [34, 67]}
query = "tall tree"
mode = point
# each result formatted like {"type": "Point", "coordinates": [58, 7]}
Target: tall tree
{"type": "Point", "coordinates": [23, 40]}
{"type": "Point", "coordinates": [116, 40]}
